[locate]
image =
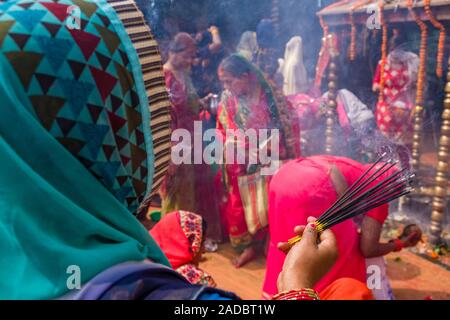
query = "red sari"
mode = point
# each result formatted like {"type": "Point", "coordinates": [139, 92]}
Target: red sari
{"type": "Point", "coordinates": [233, 114]}
{"type": "Point", "coordinates": [292, 202]}
{"type": "Point", "coordinates": [233, 210]}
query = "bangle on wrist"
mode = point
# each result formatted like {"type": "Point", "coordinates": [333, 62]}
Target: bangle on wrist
{"type": "Point", "coordinates": [299, 294]}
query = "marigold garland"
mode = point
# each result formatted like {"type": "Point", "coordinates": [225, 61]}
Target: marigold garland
{"type": "Point", "coordinates": [383, 50]}
{"type": "Point", "coordinates": [324, 48]}
{"type": "Point", "coordinates": [352, 49]}
{"type": "Point", "coordinates": [422, 55]}
{"type": "Point", "coordinates": [441, 43]}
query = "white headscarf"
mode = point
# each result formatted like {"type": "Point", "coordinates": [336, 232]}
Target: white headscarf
{"type": "Point", "coordinates": [292, 68]}
{"type": "Point", "coordinates": [248, 46]}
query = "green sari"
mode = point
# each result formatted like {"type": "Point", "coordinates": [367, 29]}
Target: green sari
{"type": "Point", "coordinates": [76, 147]}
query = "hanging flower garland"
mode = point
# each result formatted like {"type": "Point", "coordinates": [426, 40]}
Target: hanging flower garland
{"type": "Point", "coordinates": [384, 41]}
{"type": "Point", "coordinates": [422, 55]}
{"type": "Point", "coordinates": [323, 56]}
{"type": "Point", "coordinates": [441, 43]}
{"type": "Point", "coordinates": [352, 51]}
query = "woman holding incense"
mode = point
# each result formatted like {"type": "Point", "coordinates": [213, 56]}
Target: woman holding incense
{"type": "Point", "coordinates": [68, 192]}
{"type": "Point", "coordinates": [249, 102]}
{"type": "Point", "coordinates": [308, 187]}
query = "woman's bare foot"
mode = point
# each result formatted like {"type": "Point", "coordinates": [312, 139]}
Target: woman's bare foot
{"type": "Point", "coordinates": [246, 256]}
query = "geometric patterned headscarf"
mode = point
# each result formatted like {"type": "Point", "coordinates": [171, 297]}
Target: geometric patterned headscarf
{"type": "Point", "coordinates": [82, 88]}
{"type": "Point", "coordinates": [84, 138]}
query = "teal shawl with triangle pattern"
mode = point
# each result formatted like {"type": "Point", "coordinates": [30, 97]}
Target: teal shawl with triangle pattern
{"type": "Point", "coordinates": [76, 153]}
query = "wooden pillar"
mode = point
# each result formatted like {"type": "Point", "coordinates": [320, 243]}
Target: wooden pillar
{"type": "Point", "coordinates": [440, 198]}
{"type": "Point", "coordinates": [419, 109]}
{"type": "Point", "coordinates": [332, 97]}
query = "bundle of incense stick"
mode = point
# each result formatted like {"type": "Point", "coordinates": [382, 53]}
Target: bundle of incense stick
{"type": "Point", "coordinates": [366, 194]}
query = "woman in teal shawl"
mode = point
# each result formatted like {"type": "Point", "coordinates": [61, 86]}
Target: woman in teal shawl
{"type": "Point", "coordinates": [82, 145]}
{"type": "Point", "coordinates": [76, 147]}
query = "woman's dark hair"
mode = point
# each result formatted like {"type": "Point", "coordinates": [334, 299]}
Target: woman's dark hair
{"type": "Point", "coordinates": [205, 40]}
{"type": "Point", "coordinates": [181, 42]}
{"type": "Point", "coordinates": [235, 65]}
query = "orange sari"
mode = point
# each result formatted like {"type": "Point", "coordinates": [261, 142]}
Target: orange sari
{"type": "Point", "coordinates": [346, 289]}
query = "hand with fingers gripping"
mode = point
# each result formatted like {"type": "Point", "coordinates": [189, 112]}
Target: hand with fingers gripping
{"type": "Point", "coordinates": [308, 260]}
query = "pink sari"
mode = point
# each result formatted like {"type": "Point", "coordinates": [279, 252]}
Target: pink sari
{"type": "Point", "coordinates": [233, 115]}
{"type": "Point", "coordinates": [292, 202]}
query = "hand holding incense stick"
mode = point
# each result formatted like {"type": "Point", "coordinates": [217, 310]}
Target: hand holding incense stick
{"type": "Point", "coordinates": [363, 196]}
{"type": "Point", "coordinates": [313, 260]}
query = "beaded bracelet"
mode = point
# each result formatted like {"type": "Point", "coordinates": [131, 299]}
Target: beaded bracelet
{"type": "Point", "coordinates": [300, 294]}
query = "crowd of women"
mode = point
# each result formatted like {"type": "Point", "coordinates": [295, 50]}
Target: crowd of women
{"type": "Point", "coordinates": [261, 91]}
{"type": "Point", "coordinates": [83, 162]}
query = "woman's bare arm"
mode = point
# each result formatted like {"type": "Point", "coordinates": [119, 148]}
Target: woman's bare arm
{"type": "Point", "coordinates": [370, 244]}
{"type": "Point", "coordinates": [216, 44]}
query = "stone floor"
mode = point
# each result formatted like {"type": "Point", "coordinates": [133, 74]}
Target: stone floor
{"type": "Point", "coordinates": [412, 277]}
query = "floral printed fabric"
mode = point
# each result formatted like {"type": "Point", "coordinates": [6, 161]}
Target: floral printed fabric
{"type": "Point", "coordinates": [191, 224]}
{"type": "Point", "coordinates": [196, 275]}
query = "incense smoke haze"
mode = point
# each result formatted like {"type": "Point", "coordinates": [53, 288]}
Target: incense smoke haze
{"type": "Point", "coordinates": [298, 18]}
